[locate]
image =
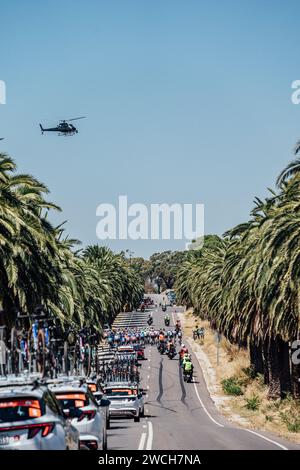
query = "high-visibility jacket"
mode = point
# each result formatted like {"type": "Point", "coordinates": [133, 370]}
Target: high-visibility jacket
{"type": "Point", "coordinates": [188, 366]}
{"type": "Point", "coordinates": [161, 337]}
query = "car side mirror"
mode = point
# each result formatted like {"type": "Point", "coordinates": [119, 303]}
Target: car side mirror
{"type": "Point", "coordinates": [104, 402]}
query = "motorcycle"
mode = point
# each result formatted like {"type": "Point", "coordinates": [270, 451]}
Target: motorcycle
{"type": "Point", "coordinates": [161, 348]}
{"type": "Point", "coordinates": [188, 376]}
{"type": "Point", "coordinates": [171, 353]}
{"type": "Point", "coordinates": [167, 321]}
{"type": "Point", "coordinates": [150, 321]}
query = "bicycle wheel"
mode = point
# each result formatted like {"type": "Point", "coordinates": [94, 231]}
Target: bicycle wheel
{"type": "Point", "coordinates": [66, 358]}
{"type": "Point", "coordinates": [87, 360]}
{"type": "Point", "coordinates": [41, 353]}
{"type": "Point", "coordinates": [14, 350]}
{"type": "Point", "coordinates": [31, 352]}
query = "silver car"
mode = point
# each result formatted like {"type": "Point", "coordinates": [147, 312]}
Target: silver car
{"type": "Point", "coordinates": [100, 397]}
{"type": "Point", "coordinates": [32, 419]}
{"type": "Point", "coordinates": [126, 400]}
{"type": "Point", "coordinates": [80, 406]}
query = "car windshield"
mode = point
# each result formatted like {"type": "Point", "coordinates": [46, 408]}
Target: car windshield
{"type": "Point", "coordinates": [71, 400]}
{"type": "Point", "coordinates": [19, 409]}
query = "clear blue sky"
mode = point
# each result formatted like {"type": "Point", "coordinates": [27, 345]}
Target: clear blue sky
{"type": "Point", "coordinates": [187, 101]}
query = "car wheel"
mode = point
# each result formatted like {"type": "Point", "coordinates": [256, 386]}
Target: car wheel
{"type": "Point", "coordinates": [108, 423]}
{"type": "Point", "coordinates": [137, 418]}
{"type": "Point", "coordinates": [104, 441]}
{"type": "Point", "coordinates": [143, 412]}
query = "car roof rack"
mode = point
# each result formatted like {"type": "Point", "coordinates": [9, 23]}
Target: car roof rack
{"type": "Point", "coordinates": [21, 381]}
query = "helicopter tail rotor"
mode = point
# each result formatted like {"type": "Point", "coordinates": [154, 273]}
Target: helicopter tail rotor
{"type": "Point", "coordinates": [42, 129]}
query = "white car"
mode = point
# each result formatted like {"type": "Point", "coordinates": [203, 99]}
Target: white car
{"type": "Point", "coordinates": [32, 419]}
{"type": "Point", "coordinates": [126, 400]}
{"type": "Point", "coordinates": [80, 406]}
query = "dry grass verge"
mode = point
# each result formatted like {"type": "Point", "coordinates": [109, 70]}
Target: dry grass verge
{"type": "Point", "coordinates": [239, 396]}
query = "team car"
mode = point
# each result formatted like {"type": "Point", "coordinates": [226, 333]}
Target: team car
{"type": "Point", "coordinates": [31, 419]}
{"type": "Point", "coordinates": [82, 409]}
{"type": "Point", "coordinates": [126, 400]}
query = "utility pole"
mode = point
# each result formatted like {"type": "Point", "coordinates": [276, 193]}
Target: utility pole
{"type": "Point", "coordinates": [218, 340]}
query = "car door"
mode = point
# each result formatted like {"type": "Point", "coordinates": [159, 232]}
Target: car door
{"type": "Point", "coordinates": [57, 441]}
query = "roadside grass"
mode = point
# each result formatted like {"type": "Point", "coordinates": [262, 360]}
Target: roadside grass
{"type": "Point", "coordinates": [231, 386]}
{"type": "Point", "coordinates": [240, 396]}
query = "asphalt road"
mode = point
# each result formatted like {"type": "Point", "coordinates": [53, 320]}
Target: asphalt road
{"type": "Point", "coordinates": [178, 415]}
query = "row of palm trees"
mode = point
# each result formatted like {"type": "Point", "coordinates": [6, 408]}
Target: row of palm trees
{"type": "Point", "coordinates": [247, 284]}
{"type": "Point", "coordinates": [40, 266]}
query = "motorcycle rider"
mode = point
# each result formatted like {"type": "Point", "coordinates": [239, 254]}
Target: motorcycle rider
{"type": "Point", "coordinates": [171, 347]}
{"type": "Point", "coordinates": [187, 366]}
{"type": "Point", "coordinates": [183, 351]}
{"type": "Point", "coordinates": [161, 341]}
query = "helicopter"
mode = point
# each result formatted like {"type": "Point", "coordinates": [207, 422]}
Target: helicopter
{"type": "Point", "coordinates": [64, 127]}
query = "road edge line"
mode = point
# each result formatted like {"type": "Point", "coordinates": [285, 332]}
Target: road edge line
{"type": "Point", "coordinates": [205, 409]}
{"type": "Point", "coordinates": [265, 438]}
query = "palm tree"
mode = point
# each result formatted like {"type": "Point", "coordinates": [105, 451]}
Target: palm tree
{"type": "Point", "coordinates": [247, 285]}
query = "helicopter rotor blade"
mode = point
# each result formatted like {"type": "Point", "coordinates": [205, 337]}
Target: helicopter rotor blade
{"type": "Point", "coordinates": [76, 119]}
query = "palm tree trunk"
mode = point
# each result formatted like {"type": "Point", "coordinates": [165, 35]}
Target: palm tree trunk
{"type": "Point", "coordinates": [285, 368]}
{"type": "Point", "coordinates": [296, 381]}
{"type": "Point", "coordinates": [256, 358]}
{"type": "Point", "coordinates": [265, 361]}
{"type": "Point", "coordinates": [273, 363]}
{"type": "Point", "coordinates": [295, 370]}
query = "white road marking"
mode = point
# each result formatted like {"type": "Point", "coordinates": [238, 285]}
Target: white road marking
{"type": "Point", "coordinates": [173, 318]}
{"type": "Point", "coordinates": [144, 425]}
{"type": "Point", "coordinates": [204, 408]}
{"type": "Point", "coordinates": [245, 429]}
{"type": "Point", "coordinates": [150, 436]}
{"type": "Point", "coordinates": [148, 377]}
{"type": "Point", "coordinates": [142, 441]}
{"type": "Point", "coordinates": [149, 367]}
{"type": "Point", "coordinates": [267, 439]}
{"type": "Point", "coordinates": [148, 387]}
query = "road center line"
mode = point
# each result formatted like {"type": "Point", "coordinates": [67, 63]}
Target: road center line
{"type": "Point", "coordinates": [150, 436]}
{"type": "Point", "coordinates": [142, 441]}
